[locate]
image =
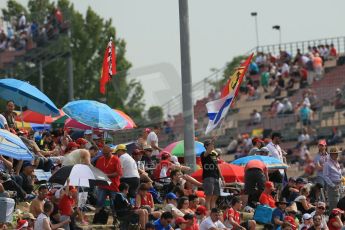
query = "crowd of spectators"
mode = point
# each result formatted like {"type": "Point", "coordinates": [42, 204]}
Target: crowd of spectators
{"type": "Point", "coordinates": [18, 33]}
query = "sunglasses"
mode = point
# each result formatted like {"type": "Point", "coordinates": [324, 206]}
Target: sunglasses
{"type": "Point", "coordinates": [323, 208]}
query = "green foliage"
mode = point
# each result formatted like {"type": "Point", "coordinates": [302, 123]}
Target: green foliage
{"type": "Point", "coordinates": [13, 10]}
{"type": "Point", "coordinates": [89, 37]}
{"type": "Point", "coordinates": [155, 114]}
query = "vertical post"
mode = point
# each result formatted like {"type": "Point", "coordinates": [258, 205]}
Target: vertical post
{"type": "Point", "coordinates": [70, 72]}
{"type": "Point", "coordinates": [40, 70]}
{"type": "Point", "coordinates": [257, 33]}
{"type": "Point", "coordinates": [188, 110]}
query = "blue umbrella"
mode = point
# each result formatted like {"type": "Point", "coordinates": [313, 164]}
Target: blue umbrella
{"type": "Point", "coordinates": [271, 162]}
{"type": "Point", "coordinates": [25, 95]}
{"type": "Point", "coordinates": [95, 114]}
{"type": "Point", "coordinates": [12, 146]}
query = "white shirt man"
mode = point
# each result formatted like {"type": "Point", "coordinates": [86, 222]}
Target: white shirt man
{"type": "Point", "coordinates": [209, 224]}
{"type": "Point", "coordinates": [152, 139]}
{"type": "Point", "coordinates": [129, 166]}
{"type": "Point", "coordinates": [275, 150]}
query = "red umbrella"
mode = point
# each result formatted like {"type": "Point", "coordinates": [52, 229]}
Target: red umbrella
{"type": "Point", "coordinates": [230, 172]}
{"type": "Point", "coordinates": [34, 117]}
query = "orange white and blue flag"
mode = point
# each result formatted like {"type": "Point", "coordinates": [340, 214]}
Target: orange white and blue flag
{"type": "Point", "coordinates": [217, 110]}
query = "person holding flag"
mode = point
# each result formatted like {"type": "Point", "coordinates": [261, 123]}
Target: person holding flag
{"type": "Point", "coordinates": [218, 109]}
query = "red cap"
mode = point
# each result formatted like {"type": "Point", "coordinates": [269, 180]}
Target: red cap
{"type": "Point", "coordinates": [291, 221]}
{"type": "Point", "coordinates": [81, 141]}
{"type": "Point", "coordinates": [201, 210]}
{"type": "Point", "coordinates": [180, 220]}
{"type": "Point", "coordinates": [147, 130]}
{"type": "Point", "coordinates": [322, 142]}
{"type": "Point", "coordinates": [165, 154]}
{"type": "Point", "coordinates": [72, 144]}
{"type": "Point", "coordinates": [269, 184]}
{"type": "Point", "coordinates": [22, 224]}
{"type": "Point", "coordinates": [256, 139]}
{"type": "Point", "coordinates": [337, 211]}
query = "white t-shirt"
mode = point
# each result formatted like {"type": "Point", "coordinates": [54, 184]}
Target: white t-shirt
{"type": "Point", "coordinates": [153, 137]}
{"type": "Point", "coordinates": [3, 121]}
{"type": "Point", "coordinates": [280, 107]}
{"type": "Point", "coordinates": [39, 221]}
{"type": "Point", "coordinates": [208, 223]}
{"type": "Point", "coordinates": [171, 208]}
{"type": "Point", "coordinates": [129, 166]}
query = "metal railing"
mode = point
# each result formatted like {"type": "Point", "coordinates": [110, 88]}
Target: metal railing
{"type": "Point", "coordinates": [202, 88]}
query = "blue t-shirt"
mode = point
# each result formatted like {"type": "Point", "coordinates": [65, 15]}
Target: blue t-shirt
{"type": "Point", "coordinates": [304, 113]}
{"type": "Point", "coordinates": [277, 213]}
{"type": "Point", "coordinates": [254, 68]}
{"type": "Point", "coordinates": [158, 225]}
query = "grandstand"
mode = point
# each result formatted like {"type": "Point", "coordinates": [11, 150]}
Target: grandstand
{"type": "Point", "coordinates": [325, 117]}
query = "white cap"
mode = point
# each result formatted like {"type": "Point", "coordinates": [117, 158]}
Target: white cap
{"type": "Point", "coordinates": [95, 137]}
{"type": "Point", "coordinates": [174, 160]}
{"type": "Point", "coordinates": [306, 216]}
{"type": "Point", "coordinates": [88, 132]}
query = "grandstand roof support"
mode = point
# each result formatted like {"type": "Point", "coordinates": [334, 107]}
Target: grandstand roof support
{"type": "Point", "coordinates": [187, 100]}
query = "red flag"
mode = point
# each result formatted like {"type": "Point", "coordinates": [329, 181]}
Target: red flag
{"type": "Point", "coordinates": [109, 65]}
{"type": "Point", "coordinates": [235, 77]}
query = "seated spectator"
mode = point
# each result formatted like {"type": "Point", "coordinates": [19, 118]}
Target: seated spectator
{"type": "Point", "coordinates": [43, 221]}
{"type": "Point", "coordinates": [266, 198]}
{"type": "Point", "coordinates": [201, 214]}
{"type": "Point", "coordinates": [257, 144]}
{"type": "Point", "coordinates": [287, 106]}
{"type": "Point", "coordinates": [255, 118]}
{"type": "Point", "coordinates": [27, 176]}
{"type": "Point", "coordinates": [290, 192]}
{"type": "Point", "coordinates": [265, 78]}
{"type": "Point", "coordinates": [78, 156]}
{"type": "Point", "coordinates": [279, 213]}
{"type": "Point", "coordinates": [307, 221]}
{"type": "Point", "coordinates": [183, 205]}
{"type": "Point", "coordinates": [320, 211]}
{"type": "Point", "coordinates": [339, 102]}
{"type": "Point", "coordinates": [164, 223]}
{"type": "Point", "coordinates": [303, 203]}
{"type": "Point", "coordinates": [291, 222]}
{"type": "Point", "coordinates": [335, 219]}
{"type": "Point", "coordinates": [232, 217]}
{"type": "Point", "coordinates": [124, 209]}
{"type": "Point", "coordinates": [253, 68]}
{"type": "Point", "coordinates": [279, 107]}
{"type": "Point", "coordinates": [170, 205]}
{"type": "Point", "coordinates": [144, 200]}
{"type": "Point", "coordinates": [213, 221]}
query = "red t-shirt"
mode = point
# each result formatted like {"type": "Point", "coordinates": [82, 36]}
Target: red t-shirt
{"type": "Point", "coordinates": [267, 199]}
{"type": "Point", "coordinates": [234, 214]}
{"type": "Point", "coordinates": [195, 225]}
{"type": "Point", "coordinates": [147, 200]}
{"type": "Point", "coordinates": [330, 226]}
{"type": "Point", "coordinates": [110, 165]}
{"type": "Point", "coordinates": [66, 205]}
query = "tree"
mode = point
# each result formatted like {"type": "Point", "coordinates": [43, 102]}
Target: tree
{"type": "Point", "coordinates": [155, 114]}
{"type": "Point", "coordinates": [89, 37]}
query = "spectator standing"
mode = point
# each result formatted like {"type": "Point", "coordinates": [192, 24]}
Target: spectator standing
{"type": "Point", "coordinates": [333, 52]}
{"type": "Point", "coordinates": [210, 174]}
{"type": "Point", "coordinates": [10, 115]}
{"type": "Point", "coordinates": [332, 175]}
{"type": "Point", "coordinates": [22, 21]}
{"type": "Point", "coordinates": [152, 139]}
{"type": "Point", "coordinates": [265, 78]}
{"type": "Point", "coordinates": [255, 177]}
{"type": "Point", "coordinates": [305, 114]}
{"type": "Point", "coordinates": [317, 63]}
{"type": "Point", "coordinates": [319, 161]}
{"type": "Point", "coordinates": [36, 206]}
{"type": "Point", "coordinates": [109, 164]}
{"type": "Point", "coordinates": [130, 173]}
{"type": "Point", "coordinates": [276, 152]}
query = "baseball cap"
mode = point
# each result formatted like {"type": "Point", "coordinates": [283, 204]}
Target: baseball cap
{"type": "Point", "coordinates": [306, 216]}
{"type": "Point", "coordinates": [337, 211]}
{"type": "Point", "coordinates": [322, 142]}
{"type": "Point", "coordinates": [201, 210]}
{"type": "Point", "coordinates": [81, 141]}
{"type": "Point", "coordinates": [269, 184]}
{"type": "Point", "coordinates": [147, 147]}
{"type": "Point", "coordinates": [22, 224]}
{"type": "Point", "coordinates": [321, 204]}
{"type": "Point", "coordinates": [301, 180]}
{"type": "Point", "coordinates": [256, 139]}
{"type": "Point", "coordinates": [180, 220]}
{"type": "Point", "coordinates": [88, 132]}
{"type": "Point", "coordinates": [72, 144]}
{"type": "Point", "coordinates": [165, 154]}
{"type": "Point", "coordinates": [27, 164]}
{"type": "Point", "coordinates": [171, 195]}
{"type": "Point", "coordinates": [120, 147]}
{"type": "Point", "coordinates": [147, 130]}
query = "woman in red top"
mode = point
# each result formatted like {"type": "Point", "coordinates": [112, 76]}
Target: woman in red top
{"type": "Point", "coordinates": [144, 199]}
{"type": "Point", "coordinates": [334, 222]}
